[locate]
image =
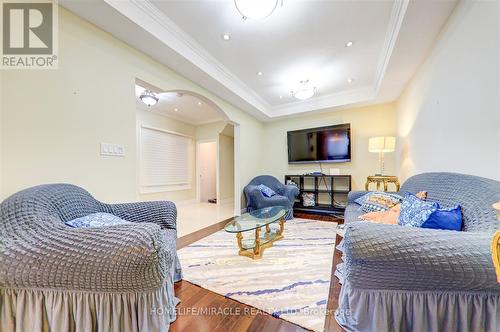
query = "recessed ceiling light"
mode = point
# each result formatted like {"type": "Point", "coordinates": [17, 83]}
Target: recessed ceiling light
{"type": "Point", "coordinates": [350, 80]}
{"type": "Point", "coordinates": [226, 36]}
{"type": "Point", "coordinates": [176, 109]}
{"type": "Point", "coordinates": [259, 73]}
{"type": "Point", "coordinates": [349, 43]}
{"type": "Point", "coordinates": [199, 103]}
{"type": "Point", "coordinates": [281, 97]}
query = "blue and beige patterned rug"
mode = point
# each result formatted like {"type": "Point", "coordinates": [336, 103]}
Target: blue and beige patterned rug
{"type": "Point", "coordinates": [291, 281]}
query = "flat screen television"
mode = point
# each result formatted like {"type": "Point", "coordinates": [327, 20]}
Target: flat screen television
{"type": "Point", "coordinates": [330, 144]}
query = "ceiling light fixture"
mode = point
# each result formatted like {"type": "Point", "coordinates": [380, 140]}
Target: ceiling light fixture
{"type": "Point", "coordinates": [256, 9]}
{"type": "Point", "coordinates": [226, 36]}
{"type": "Point", "coordinates": [176, 109]}
{"type": "Point", "coordinates": [305, 90]}
{"type": "Point", "coordinates": [259, 73]}
{"type": "Point", "coordinates": [349, 43]}
{"type": "Point", "coordinates": [281, 97]}
{"type": "Point", "coordinates": [148, 97]}
{"type": "Point", "coordinates": [199, 103]}
{"type": "Point", "coordinates": [350, 80]}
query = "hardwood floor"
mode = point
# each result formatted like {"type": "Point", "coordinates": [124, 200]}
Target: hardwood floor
{"type": "Point", "coordinates": [317, 217]}
{"type": "Point", "coordinates": [202, 310]}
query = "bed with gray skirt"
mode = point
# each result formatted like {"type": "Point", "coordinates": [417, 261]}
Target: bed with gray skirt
{"type": "Point", "coordinates": [415, 279]}
{"type": "Point", "coordinates": [57, 278]}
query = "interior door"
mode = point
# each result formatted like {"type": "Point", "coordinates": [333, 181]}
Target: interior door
{"type": "Point", "coordinates": [207, 160]}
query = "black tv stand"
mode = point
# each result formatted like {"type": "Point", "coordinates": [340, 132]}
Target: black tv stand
{"type": "Point", "coordinates": [330, 193]}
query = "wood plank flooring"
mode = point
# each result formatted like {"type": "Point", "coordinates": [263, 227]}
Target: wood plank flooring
{"type": "Point", "coordinates": [202, 310]}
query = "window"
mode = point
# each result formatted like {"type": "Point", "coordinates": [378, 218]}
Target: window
{"type": "Point", "coordinates": [165, 160]}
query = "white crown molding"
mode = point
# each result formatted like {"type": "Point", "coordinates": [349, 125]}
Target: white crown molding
{"type": "Point", "coordinates": [327, 101]}
{"type": "Point", "coordinates": [397, 16]}
{"type": "Point", "coordinates": [151, 19]}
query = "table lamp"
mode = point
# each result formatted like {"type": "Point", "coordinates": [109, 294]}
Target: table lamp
{"type": "Point", "coordinates": [381, 145]}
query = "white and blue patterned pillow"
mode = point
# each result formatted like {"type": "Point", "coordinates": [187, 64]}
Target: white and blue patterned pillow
{"type": "Point", "coordinates": [96, 220]}
{"type": "Point", "coordinates": [378, 201]}
{"type": "Point", "coordinates": [414, 211]}
{"type": "Point", "coordinates": [266, 191]}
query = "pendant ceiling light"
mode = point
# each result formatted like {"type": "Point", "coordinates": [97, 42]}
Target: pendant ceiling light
{"type": "Point", "coordinates": [256, 9]}
{"type": "Point", "coordinates": [305, 90]}
{"type": "Point", "coordinates": [149, 98]}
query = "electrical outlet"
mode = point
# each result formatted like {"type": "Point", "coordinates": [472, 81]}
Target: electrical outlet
{"type": "Point", "coordinates": [109, 149]}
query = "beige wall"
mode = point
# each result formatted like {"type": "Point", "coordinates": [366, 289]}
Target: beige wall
{"type": "Point", "coordinates": [379, 120]}
{"type": "Point", "coordinates": [449, 115]}
{"type": "Point", "coordinates": [54, 120]}
{"type": "Point", "coordinates": [155, 120]}
{"type": "Point", "coordinates": [209, 131]}
{"type": "Point", "coordinates": [226, 167]}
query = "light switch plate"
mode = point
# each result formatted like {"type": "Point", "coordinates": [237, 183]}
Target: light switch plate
{"type": "Point", "coordinates": [110, 149]}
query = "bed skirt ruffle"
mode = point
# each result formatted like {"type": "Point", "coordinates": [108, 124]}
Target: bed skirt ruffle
{"type": "Point", "coordinates": [57, 310]}
{"type": "Point", "coordinates": [386, 310]}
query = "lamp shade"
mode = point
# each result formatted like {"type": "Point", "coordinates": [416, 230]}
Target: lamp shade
{"type": "Point", "coordinates": [382, 144]}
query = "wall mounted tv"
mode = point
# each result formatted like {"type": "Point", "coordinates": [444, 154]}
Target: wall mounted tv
{"type": "Point", "coordinates": [320, 145]}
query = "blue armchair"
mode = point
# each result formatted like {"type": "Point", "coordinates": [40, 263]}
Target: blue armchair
{"type": "Point", "coordinates": [285, 195]}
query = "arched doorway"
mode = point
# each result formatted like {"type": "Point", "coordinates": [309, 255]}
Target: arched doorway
{"type": "Point", "coordinates": [195, 117]}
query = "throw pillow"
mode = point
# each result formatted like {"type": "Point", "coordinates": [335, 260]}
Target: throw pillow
{"type": "Point", "coordinates": [450, 219]}
{"type": "Point", "coordinates": [380, 201]}
{"type": "Point", "coordinates": [266, 191]}
{"type": "Point", "coordinates": [96, 220]}
{"type": "Point", "coordinates": [390, 216]}
{"type": "Point", "coordinates": [414, 211]}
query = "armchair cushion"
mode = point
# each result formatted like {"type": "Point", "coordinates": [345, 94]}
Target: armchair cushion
{"type": "Point", "coordinates": [99, 219]}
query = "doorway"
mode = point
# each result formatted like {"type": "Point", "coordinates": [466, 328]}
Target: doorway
{"type": "Point", "coordinates": [207, 171]}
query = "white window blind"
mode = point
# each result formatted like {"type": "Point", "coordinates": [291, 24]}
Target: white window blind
{"type": "Point", "coordinates": [165, 160]}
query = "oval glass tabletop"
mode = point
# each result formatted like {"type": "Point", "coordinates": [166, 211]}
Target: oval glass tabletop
{"type": "Point", "coordinates": [254, 219]}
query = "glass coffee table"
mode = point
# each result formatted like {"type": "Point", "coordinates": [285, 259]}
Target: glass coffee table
{"type": "Point", "coordinates": [253, 245]}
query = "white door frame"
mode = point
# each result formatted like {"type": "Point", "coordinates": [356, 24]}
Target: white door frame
{"type": "Point", "coordinates": [198, 189]}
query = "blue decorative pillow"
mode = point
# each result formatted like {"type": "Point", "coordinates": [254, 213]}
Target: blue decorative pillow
{"type": "Point", "coordinates": [266, 191]}
{"type": "Point", "coordinates": [414, 211]}
{"type": "Point", "coordinates": [378, 201]}
{"type": "Point", "coordinates": [450, 219]}
{"type": "Point", "coordinates": [96, 220]}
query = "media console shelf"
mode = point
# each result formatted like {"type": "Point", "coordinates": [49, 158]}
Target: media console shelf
{"type": "Point", "coordinates": [330, 193]}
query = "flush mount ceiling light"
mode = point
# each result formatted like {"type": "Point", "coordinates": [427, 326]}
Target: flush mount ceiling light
{"type": "Point", "coordinates": [176, 109]}
{"type": "Point", "coordinates": [148, 97]}
{"type": "Point", "coordinates": [199, 103]}
{"type": "Point", "coordinates": [349, 43]}
{"type": "Point", "coordinates": [350, 80]}
{"type": "Point", "coordinates": [256, 9]}
{"type": "Point", "coordinates": [305, 90]}
{"type": "Point", "coordinates": [226, 36]}
{"type": "Point", "coordinates": [259, 73]}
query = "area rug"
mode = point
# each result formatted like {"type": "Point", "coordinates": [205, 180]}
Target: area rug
{"type": "Point", "coordinates": [291, 281]}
